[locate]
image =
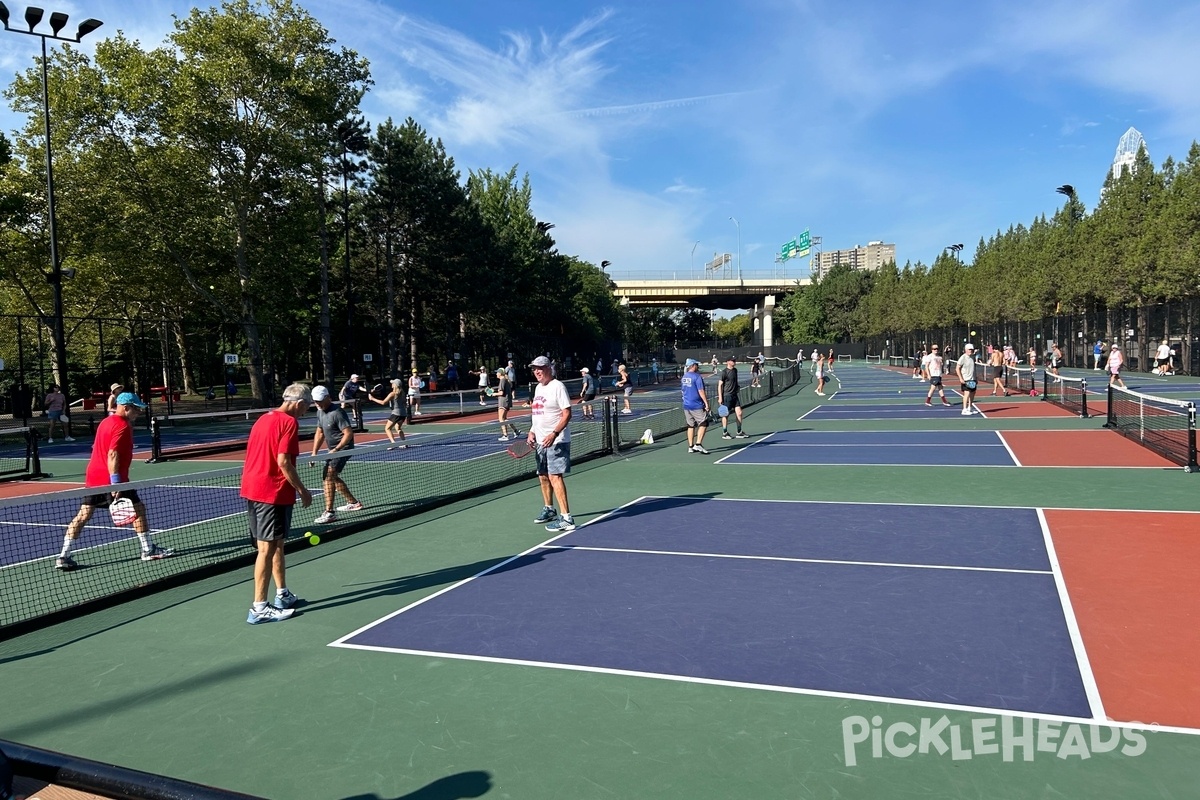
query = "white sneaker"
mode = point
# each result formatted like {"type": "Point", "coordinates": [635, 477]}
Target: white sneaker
{"type": "Point", "coordinates": [68, 439]}
{"type": "Point", "coordinates": [502, 439]}
{"type": "Point", "coordinates": [821, 393]}
{"type": "Point", "coordinates": [965, 412]}
{"type": "Point", "coordinates": [416, 413]}
{"type": "Point", "coordinates": [626, 411]}
{"type": "Point", "coordinates": [325, 518]}
{"type": "Point", "coordinates": [699, 448]}
{"type": "Point", "coordinates": [50, 440]}
{"type": "Point", "coordinates": [351, 507]}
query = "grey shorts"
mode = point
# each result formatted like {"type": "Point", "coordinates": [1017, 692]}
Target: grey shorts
{"type": "Point", "coordinates": [695, 417]}
{"type": "Point", "coordinates": [268, 522]}
{"type": "Point", "coordinates": [628, 389]}
{"type": "Point", "coordinates": [555, 460]}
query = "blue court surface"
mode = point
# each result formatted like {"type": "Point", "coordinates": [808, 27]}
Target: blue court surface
{"type": "Point", "coordinates": [29, 533]}
{"type": "Point", "coordinates": [956, 606]}
{"type": "Point", "coordinates": [906, 448]}
{"type": "Point", "coordinates": [912, 408]}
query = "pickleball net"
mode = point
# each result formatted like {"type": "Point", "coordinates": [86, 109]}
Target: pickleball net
{"type": "Point", "coordinates": [1021, 379]}
{"type": "Point", "coordinates": [202, 518]}
{"type": "Point", "coordinates": [19, 458]}
{"type": "Point", "coordinates": [1166, 426]}
{"type": "Point", "coordinates": [1066, 392]}
{"type": "Point", "coordinates": [183, 436]}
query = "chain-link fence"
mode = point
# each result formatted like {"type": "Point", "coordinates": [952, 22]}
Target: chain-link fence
{"type": "Point", "coordinates": [1138, 330]}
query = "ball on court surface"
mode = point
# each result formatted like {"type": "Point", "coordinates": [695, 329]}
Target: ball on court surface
{"type": "Point", "coordinates": [899, 391]}
{"type": "Point", "coordinates": [314, 540]}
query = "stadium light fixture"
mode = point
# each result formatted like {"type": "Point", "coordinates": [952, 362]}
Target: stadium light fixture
{"type": "Point", "coordinates": [1066, 189]}
{"type": "Point", "coordinates": [56, 275]}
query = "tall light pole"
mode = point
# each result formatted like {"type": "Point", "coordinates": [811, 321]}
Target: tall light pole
{"type": "Point", "coordinates": [739, 229]}
{"type": "Point", "coordinates": [955, 249]}
{"type": "Point", "coordinates": [58, 21]}
{"type": "Point", "coordinates": [697, 244]}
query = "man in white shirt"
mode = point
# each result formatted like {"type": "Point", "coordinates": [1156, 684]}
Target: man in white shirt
{"type": "Point", "coordinates": [931, 369]}
{"type": "Point", "coordinates": [965, 366]}
{"type": "Point", "coordinates": [548, 433]}
{"type": "Point", "coordinates": [1162, 358]}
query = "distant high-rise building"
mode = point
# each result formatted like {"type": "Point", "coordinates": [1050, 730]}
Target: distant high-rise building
{"type": "Point", "coordinates": [867, 259]}
{"type": "Point", "coordinates": [1127, 150]}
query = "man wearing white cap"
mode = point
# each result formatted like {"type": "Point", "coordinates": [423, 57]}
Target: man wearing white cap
{"type": "Point", "coordinates": [337, 434]}
{"type": "Point", "coordinates": [550, 414]}
{"type": "Point", "coordinates": [1116, 360]}
{"type": "Point", "coordinates": [112, 453]}
{"type": "Point", "coordinates": [965, 366]}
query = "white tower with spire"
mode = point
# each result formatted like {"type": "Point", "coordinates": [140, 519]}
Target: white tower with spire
{"type": "Point", "coordinates": [1127, 150]}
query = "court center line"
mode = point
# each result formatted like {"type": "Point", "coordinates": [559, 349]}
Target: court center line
{"type": "Point", "coordinates": [1081, 656]}
{"type": "Point", "coordinates": [790, 559]}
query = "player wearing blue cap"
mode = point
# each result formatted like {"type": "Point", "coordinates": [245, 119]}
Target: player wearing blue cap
{"type": "Point", "coordinates": [112, 453]}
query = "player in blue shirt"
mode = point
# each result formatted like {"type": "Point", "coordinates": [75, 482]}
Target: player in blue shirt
{"type": "Point", "coordinates": [695, 406]}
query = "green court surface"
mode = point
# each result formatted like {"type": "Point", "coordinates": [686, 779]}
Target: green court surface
{"type": "Point", "coordinates": [179, 684]}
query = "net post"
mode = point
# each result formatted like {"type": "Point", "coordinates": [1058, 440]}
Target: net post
{"type": "Point", "coordinates": [1083, 409]}
{"type": "Point", "coordinates": [1109, 416]}
{"type": "Point", "coordinates": [359, 427]}
{"type": "Point", "coordinates": [1045, 383]}
{"type": "Point", "coordinates": [155, 441]}
{"type": "Point", "coordinates": [606, 427]}
{"type": "Point", "coordinates": [1191, 436]}
{"type": "Point", "coordinates": [33, 456]}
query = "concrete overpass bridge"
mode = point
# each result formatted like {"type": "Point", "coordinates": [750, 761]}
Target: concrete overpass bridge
{"type": "Point", "coordinates": [756, 291]}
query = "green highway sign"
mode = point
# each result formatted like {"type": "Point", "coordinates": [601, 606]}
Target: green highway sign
{"type": "Point", "coordinates": [797, 247]}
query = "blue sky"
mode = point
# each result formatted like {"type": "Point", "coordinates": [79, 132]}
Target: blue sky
{"type": "Point", "coordinates": [645, 126]}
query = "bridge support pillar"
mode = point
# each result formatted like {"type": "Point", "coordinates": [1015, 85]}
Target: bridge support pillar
{"type": "Point", "coordinates": [761, 328]}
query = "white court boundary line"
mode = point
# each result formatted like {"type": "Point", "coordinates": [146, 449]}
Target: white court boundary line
{"type": "Point", "coordinates": [342, 642]}
{"type": "Point", "coordinates": [1064, 600]}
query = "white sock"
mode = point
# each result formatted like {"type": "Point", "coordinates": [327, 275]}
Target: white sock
{"type": "Point", "coordinates": [260, 606]}
{"type": "Point", "coordinates": [147, 542]}
{"type": "Point", "coordinates": [68, 543]}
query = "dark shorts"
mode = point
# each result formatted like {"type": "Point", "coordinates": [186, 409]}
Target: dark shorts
{"type": "Point", "coordinates": [589, 397]}
{"type": "Point", "coordinates": [395, 418]}
{"type": "Point", "coordinates": [935, 380]}
{"type": "Point", "coordinates": [268, 522]}
{"type": "Point", "coordinates": [970, 386]}
{"type": "Point", "coordinates": [103, 500]}
{"type": "Point", "coordinates": [1162, 362]}
{"type": "Point", "coordinates": [732, 401]}
{"type": "Point", "coordinates": [334, 467]}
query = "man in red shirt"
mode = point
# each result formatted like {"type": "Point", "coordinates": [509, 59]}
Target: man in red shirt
{"type": "Point", "coordinates": [112, 452]}
{"type": "Point", "coordinates": [270, 484]}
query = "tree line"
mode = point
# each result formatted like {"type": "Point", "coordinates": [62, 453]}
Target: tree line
{"type": "Point", "coordinates": [228, 175]}
{"type": "Point", "coordinates": [1138, 247]}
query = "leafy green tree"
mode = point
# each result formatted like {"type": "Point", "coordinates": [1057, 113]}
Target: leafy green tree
{"type": "Point", "coordinates": [209, 141]}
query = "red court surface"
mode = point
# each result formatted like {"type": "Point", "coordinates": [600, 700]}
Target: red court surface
{"type": "Point", "coordinates": [1086, 448]}
{"type": "Point", "coordinates": [1005, 407]}
{"type": "Point", "coordinates": [1131, 579]}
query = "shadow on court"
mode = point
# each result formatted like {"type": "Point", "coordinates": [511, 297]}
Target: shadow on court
{"type": "Point", "coordinates": [452, 787]}
{"type": "Point", "coordinates": [410, 583]}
